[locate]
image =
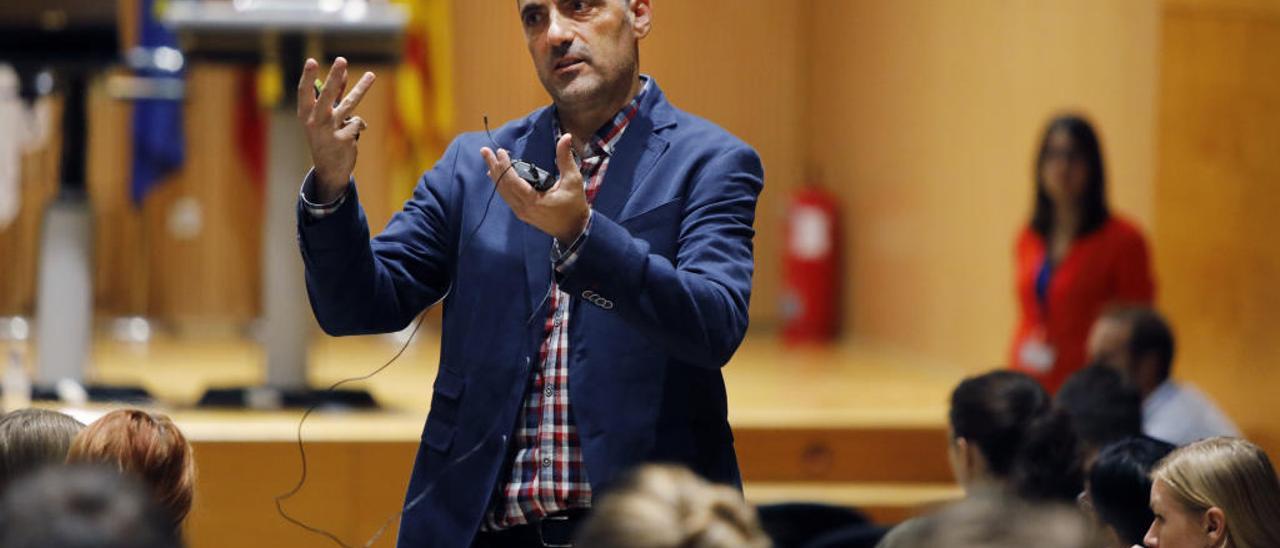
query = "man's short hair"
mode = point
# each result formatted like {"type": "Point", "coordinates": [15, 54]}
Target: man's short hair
{"type": "Point", "coordinates": [82, 506]}
{"type": "Point", "coordinates": [1103, 405]}
{"type": "Point", "coordinates": [1150, 336]}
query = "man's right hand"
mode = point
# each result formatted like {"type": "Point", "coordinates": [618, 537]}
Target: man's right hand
{"type": "Point", "coordinates": [331, 130]}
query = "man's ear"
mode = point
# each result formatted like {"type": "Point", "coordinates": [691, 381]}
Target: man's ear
{"type": "Point", "coordinates": [968, 454]}
{"type": "Point", "coordinates": [1215, 526]}
{"type": "Point", "coordinates": [1145, 371]}
{"type": "Point", "coordinates": [958, 459]}
{"type": "Point", "coordinates": [641, 17]}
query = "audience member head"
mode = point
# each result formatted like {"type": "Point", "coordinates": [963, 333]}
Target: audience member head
{"type": "Point", "coordinates": [662, 506]}
{"type": "Point", "coordinates": [1219, 492]}
{"type": "Point", "coordinates": [1005, 434]}
{"type": "Point", "coordinates": [147, 446]}
{"type": "Point", "coordinates": [1001, 522]}
{"type": "Point", "coordinates": [1070, 178]}
{"type": "Point", "coordinates": [1119, 488]}
{"type": "Point", "coordinates": [1108, 341]}
{"type": "Point", "coordinates": [82, 506]}
{"type": "Point", "coordinates": [1137, 341]}
{"type": "Point", "coordinates": [32, 438]}
{"type": "Point", "coordinates": [1104, 407]}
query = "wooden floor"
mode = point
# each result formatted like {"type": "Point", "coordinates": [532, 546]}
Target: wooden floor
{"type": "Point", "coordinates": [846, 424]}
{"type": "Point", "coordinates": [769, 384]}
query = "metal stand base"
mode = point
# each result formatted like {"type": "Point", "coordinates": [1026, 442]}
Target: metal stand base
{"type": "Point", "coordinates": [99, 393]}
{"type": "Point", "coordinates": [271, 398]}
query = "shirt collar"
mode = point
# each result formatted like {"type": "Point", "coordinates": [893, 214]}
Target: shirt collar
{"type": "Point", "coordinates": [607, 137]}
{"type": "Point", "coordinates": [1158, 397]}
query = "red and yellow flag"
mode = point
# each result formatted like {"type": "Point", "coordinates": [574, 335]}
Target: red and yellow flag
{"type": "Point", "coordinates": [423, 111]}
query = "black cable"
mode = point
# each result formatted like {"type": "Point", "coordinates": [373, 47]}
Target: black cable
{"type": "Point", "coordinates": [495, 156]}
{"type": "Point", "coordinates": [302, 453]}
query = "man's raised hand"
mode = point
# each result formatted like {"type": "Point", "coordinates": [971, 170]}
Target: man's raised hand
{"type": "Point", "coordinates": [331, 128]}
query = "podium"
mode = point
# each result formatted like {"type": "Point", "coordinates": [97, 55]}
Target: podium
{"type": "Point", "coordinates": [284, 33]}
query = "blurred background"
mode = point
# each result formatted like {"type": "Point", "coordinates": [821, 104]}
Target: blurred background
{"type": "Point", "coordinates": [920, 118]}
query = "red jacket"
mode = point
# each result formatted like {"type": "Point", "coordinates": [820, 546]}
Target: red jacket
{"type": "Point", "coordinates": [1109, 266]}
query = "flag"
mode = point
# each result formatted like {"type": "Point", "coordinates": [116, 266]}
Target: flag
{"type": "Point", "coordinates": [253, 98]}
{"type": "Point", "coordinates": [26, 129]}
{"type": "Point", "coordinates": [158, 141]}
{"type": "Point", "coordinates": [422, 121]}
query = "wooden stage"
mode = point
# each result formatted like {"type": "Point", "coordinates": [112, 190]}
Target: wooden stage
{"type": "Point", "coordinates": [845, 424]}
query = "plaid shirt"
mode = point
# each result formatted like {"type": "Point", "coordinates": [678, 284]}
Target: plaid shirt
{"type": "Point", "coordinates": [547, 474]}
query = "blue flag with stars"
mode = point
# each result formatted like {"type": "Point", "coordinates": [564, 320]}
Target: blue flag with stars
{"type": "Point", "coordinates": [158, 141]}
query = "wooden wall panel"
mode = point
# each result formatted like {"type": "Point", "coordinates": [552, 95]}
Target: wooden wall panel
{"type": "Point", "coordinates": [121, 273]}
{"type": "Point", "coordinates": [213, 272]}
{"type": "Point", "coordinates": [924, 116]}
{"type": "Point", "coordinates": [1216, 203]}
{"type": "Point", "coordinates": [19, 242]}
{"type": "Point", "coordinates": [825, 455]}
{"type": "Point", "coordinates": [144, 265]}
{"type": "Point", "coordinates": [351, 490]}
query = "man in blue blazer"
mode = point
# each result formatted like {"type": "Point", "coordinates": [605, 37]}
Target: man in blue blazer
{"type": "Point", "coordinates": [585, 325]}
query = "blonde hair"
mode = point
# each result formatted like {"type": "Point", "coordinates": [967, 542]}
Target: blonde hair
{"type": "Point", "coordinates": [664, 506]}
{"type": "Point", "coordinates": [147, 446]}
{"type": "Point", "coordinates": [1234, 476]}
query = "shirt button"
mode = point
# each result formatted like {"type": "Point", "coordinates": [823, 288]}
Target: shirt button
{"type": "Point", "coordinates": [549, 391]}
{"type": "Point", "coordinates": [557, 322]}
{"type": "Point", "coordinates": [546, 462]}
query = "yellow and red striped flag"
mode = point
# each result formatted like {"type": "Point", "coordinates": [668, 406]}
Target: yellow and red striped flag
{"type": "Point", "coordinates": [423, 111]}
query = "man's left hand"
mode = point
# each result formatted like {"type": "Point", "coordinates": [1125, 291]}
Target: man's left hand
{"type": "Point", "coordinates": [562, 211]}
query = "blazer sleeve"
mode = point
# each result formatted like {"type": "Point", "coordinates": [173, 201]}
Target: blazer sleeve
{"type": "Point", "coordinates": [360, 286]}
{"type": "Point", "coordinates": [1134, 281]}
{"type": "Point", "coordinates": [695, 308]}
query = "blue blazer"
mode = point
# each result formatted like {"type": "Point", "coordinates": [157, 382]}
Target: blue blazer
{"type": "Point", "coordinates": [660, 291]}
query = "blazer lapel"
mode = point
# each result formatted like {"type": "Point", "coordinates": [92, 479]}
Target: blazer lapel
{"type": "Point", "coordinates": [538, 147]}
{"type": "Point", "coordinates": [633, 158]}
{"type": "Point", "coordinates": [635, 154]}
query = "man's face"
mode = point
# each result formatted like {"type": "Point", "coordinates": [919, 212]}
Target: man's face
{"type": "Point", "coordinates": [1109, 343]}
{"type": "Point", "coordinates": [584, 49]}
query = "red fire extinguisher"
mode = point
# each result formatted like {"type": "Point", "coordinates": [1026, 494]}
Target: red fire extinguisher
{"type": "Point", "coordinates": [811, 267]}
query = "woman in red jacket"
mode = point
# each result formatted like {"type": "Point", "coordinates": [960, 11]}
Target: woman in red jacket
{"type": "Point", "coordinates": [1074, 258]}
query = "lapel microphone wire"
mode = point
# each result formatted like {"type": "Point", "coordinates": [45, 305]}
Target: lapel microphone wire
{"type": "Point", "coordinates": [302, 452]}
